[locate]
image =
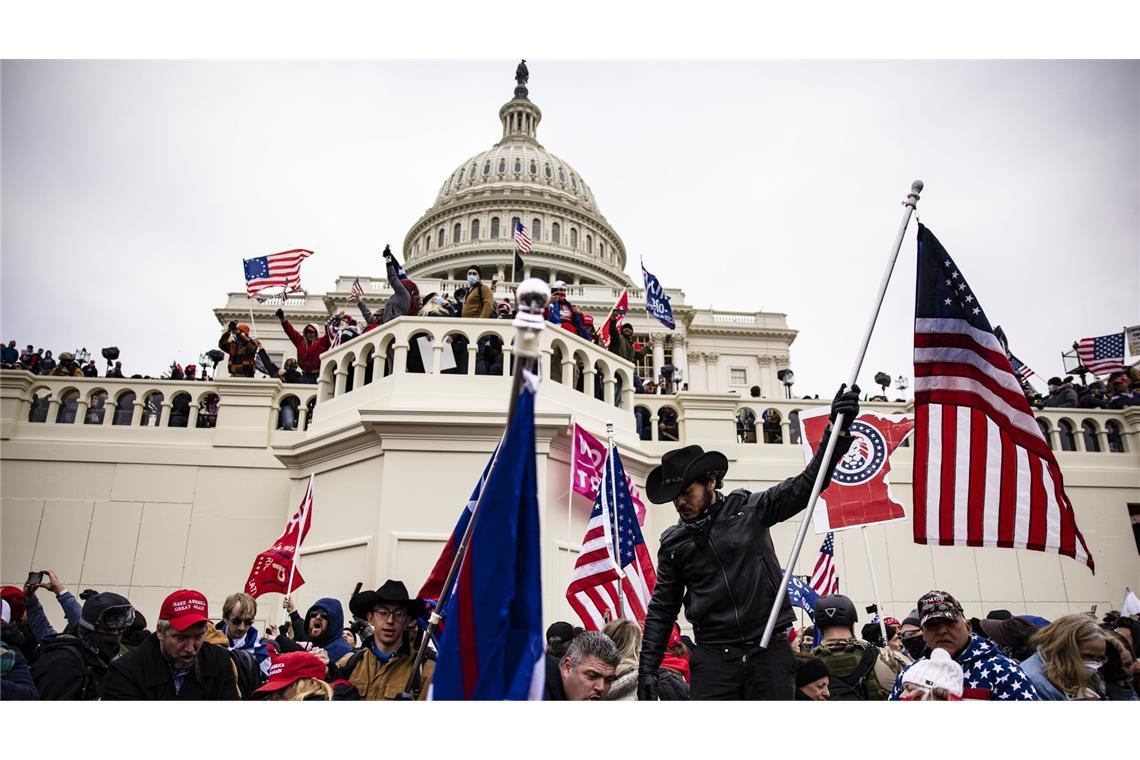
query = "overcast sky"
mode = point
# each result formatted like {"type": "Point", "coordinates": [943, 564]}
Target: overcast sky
{"type": "Point", "coordinates": [132, 190]}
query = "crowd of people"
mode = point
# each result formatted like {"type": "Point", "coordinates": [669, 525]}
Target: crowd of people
{"type": "Point", "coordinates": [1120, 390]}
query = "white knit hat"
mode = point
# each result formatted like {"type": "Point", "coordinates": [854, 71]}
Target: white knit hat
{"type": "Point", "coordinates": [5, 612]}
{"type": "Point", "coordinates": [937, 672]}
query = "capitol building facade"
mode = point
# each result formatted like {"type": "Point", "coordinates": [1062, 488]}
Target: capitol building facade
{"type": "Point", "coordinates": [111, 489]}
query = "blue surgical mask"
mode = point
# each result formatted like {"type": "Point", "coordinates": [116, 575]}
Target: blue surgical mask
{"type": "Point", "coordinates": [437, 299]}
{"type": "Point", "coordinates": [472, 279]}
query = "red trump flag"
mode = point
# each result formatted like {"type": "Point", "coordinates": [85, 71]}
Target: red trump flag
{"type": "Point", "coordinates": [620, 308]}
{"type": "Point", "coordinates": [588, 466]}
{"type": "Point", "coordinates": [273, 570]}
{"type": "Point", "coordinates": [860, 492]}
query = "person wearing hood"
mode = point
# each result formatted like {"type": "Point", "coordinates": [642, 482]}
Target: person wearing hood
{"type": "Point", "coordinates": [720, 563]}
{"type": "Point", "coordinates": [240, 348]}
{"type": "Point", "coordinates": [238, 613]}
{"type": "Point", "coordinates": [309, 347]}
{"type": "Point", "coordinates": [988, 674]}
{"type": "Point", "coordinates": [73, 667]}
{"type": "Point", "coordinates": [381, 669]}
{"type": "Point", "coordinates": [1061, 394]}
{"type": "Point", "coordinates": [1070, 651]}
{"type": "Point", "coordinates": [321, 626]}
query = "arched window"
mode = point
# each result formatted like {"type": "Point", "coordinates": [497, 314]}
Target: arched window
{"type": "Point", "coordinates": [574, 182]}
{"type": "Point", "coordinates": [555, 233]}
{"type": "Point", "coordinates": [770, 422]}
{"type": "Point", "coordinates": [536, 229]}
{"type": "Point", "coordinates": [124, 409]}
{"type": "Point", "coordinates": [427, 241]}
{"type": "Point", "coordinates": [534, 167]}
{"type": "Point", "coordinates": [668, 426]}
{"type": "Point", "coordinates": [441, 238]}
{"type": "Point", "coordinates": [514, 226]}
{"type": "Point", "coordinates": [208, 410]}
{"type": "Point", "coordinates": [573, 237]}
{"type": "Point", "coordinates": [152, 409]}
{"type": "Point", "coordinates": [601, 250]}
{"type": "Point", "coordinates": [794, 426]}
{"type": "Point", "coordinates": [590, 244]}
{"type": "Point", "coordinates": [471, 174]}
{"type": "Point", "coordinates": [96, 409]}
{"type": "Point", "coordinates": [68, 407]}
{"type": "Point", "coordinates": [745, 426]}
{"type": "Point", "coordinates": [549, 173]}
{"type": "Point", "coordinates": [179, 411]}
{"type": "Point", "coordinates": [289, 413]}
{"type": "Point", "coordinates": [1115, 439]}
{"type": "Point", "coordinates": [474, 229]}
{"type": "Point", "coordinates": [1068, 440]}
{"type": "Point", "coordinates": [494, 228]}
{"type": "Point", "coordinates": [487, 169]}
{"type": "Point", "coordinates": [518, 166]}
{"type": "Point", "coordinates": [1044, 425]}
{"type": "Point", "coordinates": [456, 232]}
{"type": "Point", "coordinates": [1092, 442]}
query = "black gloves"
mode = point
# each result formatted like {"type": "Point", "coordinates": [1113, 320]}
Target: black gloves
{"type": "Point", "coordinates": [646, 687]}
{"type": "Point", "coordinates": [847, 404]}
{"type": "Point", "coordinates": [280, 314]}
{"type": "Point", "coordinates": [387, 252]}
{"type": "Point", "coordinates": [232, 325]}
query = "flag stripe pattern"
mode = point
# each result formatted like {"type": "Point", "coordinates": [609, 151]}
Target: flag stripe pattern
{"type": "Point", "coordinates": [276, 269]}
{"type": "Point", "coordinates": [1102, 355]}
{"type": "Point", "coordinates": [522, 238]}
{"type": "Point", "coordinates": [983, 473]}
{"type": "Point", "coordinates": [824, 579]}
{"type": "Point", "coordinates": [608, 582]}
{"type": "Point", "coordinates": [1020, 369]}
{"type": "Point", "coordinates": [356, 292]}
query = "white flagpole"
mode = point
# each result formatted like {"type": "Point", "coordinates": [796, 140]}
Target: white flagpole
{"type": "Point", "coordinates": [614, 514]}
{"type": "Point", "coordinates": [874, 585]}
{"type": "Point", "coordinates": [570, 497]}
{"type": "Point", "coordinates": [910, 203]}
{"type": "Point", "coordinates": [307, 502]}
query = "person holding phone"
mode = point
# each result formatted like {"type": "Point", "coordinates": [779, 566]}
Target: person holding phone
{"type": "Point", "coordinates": [36, 616]}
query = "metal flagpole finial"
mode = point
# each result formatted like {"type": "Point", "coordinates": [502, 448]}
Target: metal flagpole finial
{"type": "Point", "coordinates": [915, 190]}
{"type": "Point", "coordinates": [533, 295]}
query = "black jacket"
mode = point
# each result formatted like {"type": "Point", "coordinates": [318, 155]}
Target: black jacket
{"type": "Point", "coordinates": [553, 691]}
{"type": "Point", "coordinates": [66, 669]}
{"type": "Point", "coordinates": [726, 572]}
{"type": "Point", "coordinates": [144, 674]}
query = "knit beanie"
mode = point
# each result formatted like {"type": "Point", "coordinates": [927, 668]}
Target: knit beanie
{"type": "Point", "coordinates": [812, 670]}
{"type": "Point", "coordinates": [938, 672]}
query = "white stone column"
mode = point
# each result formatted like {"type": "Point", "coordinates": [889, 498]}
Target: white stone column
{"type": "Point", "coordinates": [81, 411]}
{"type": "Point", "coordinates": [568, 367]}
{"type": "Point", "coordinates": [358, 367]}
{"type": "Point", "coordinates": [588, 373]}
{"type": "Point", "coordinates": [680, 359]}
{"type": "Point", "coordinates": [400, 359]}
{"type": "Point", "coordinates": [136, 415]}
{"type": "Point", "coordinates": [694, 360]}
{"type": "Point", "coordinates": [341, 381]}
{"type": "Point", "coordinates": [608, 384]}
{"type": "Point", "coordinates": [710, 372]}
{"type": "Point", "coordinates": [658, 339]}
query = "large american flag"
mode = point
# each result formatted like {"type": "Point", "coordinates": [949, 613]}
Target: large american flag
{"type": "Point", "coordinates": [593, 590]}
{"type": "Point", "coordinates": [983, 472]}
{"type": "Point", "coordinates": [1102, 355]}
{"type": "Point", "coordinates": [824, 580]}
{"type": "Point", "coordinates": [276, 269]}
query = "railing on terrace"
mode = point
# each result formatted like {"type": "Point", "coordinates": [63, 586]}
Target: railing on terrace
{"type": "Point", "coordinates": [447, 346]}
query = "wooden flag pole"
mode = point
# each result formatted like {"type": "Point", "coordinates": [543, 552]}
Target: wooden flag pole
{"type": "Point", "coordinates": [910, 203]}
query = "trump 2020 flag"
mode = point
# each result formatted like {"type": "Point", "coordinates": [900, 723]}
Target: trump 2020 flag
{"type": "Point", "coordinates": [860, 490]}
{"type": "Point", "coordinates": [273, 569]}
{"type": "Point", "coordinates": [656, 302]}
{"type": "Point", "coordinates": [492, 646]}
{"type": "Point", "coordinates": [588, 465]}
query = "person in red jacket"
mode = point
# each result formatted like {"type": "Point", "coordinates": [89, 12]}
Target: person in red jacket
{"type": "Point", "coordinates": [309, 348]}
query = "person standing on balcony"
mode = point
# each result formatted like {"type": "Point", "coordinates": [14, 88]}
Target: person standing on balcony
{"type": "Point", "coordinates": [562, 312]}
{"type": "Point", "coordinates": [309, 348]}
{"type": "Point", "coordinates": [402, 302]}
{"type": "Point", "coordinates": [242, 349]}
{"type": "Point", "coordinates": [480, 302]}
{"type": "Point", "coordinates": [67, 366]}
{"type": "Point", "coordinates": [720, 563]}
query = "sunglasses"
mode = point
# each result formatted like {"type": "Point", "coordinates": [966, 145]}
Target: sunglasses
{"type": "Point", "coordinates": [238, 621]}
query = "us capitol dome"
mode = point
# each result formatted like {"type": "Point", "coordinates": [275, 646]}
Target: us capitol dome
{"type": "Point", "coordinates": [473, 218]}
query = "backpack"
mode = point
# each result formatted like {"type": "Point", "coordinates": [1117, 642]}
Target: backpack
{"type": "Point", "coordinates": [853, 686]}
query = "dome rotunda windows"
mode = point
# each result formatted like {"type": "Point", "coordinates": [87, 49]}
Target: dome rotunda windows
{"type": "Point", "coordinates": [487, 169]}
{"type": "Point", "coordinates": [471, 174]}
{"type": "Point", "coordinates": [518, 166]}
{"type": "Point", "coordinates": [494, 228]}
{"type": "Point", "coordinates": [533, 167]}
{"type": "Point", "coordinates": [502, 165]}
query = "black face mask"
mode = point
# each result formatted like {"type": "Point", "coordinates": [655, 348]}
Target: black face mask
{"type": "Point", "coordinates": [104, 645]}
{"type": "Point", "coordinates": [914, 646]}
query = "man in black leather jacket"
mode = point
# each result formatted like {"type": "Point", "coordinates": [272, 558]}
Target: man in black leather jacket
{"type": "Point", "coordinates": [719, 561]}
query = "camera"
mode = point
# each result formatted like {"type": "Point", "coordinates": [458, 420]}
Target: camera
{"type": "Point", "coordinates": [111, 353]}
{"type": "Point", "coordinates": [35, 578]}
{"type": "Point", "coordinates": [872, 609]}
{"type": "Point", "coordinates": [361, 628]}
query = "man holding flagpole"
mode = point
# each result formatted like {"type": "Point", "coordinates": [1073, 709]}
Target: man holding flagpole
{"type": "Point", "coordinates": [719, 561]}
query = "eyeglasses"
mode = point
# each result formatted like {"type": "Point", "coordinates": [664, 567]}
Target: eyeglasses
{"type": "Point", "coordinates": [239, 621]}
{"type": "Point", "coordinates": [318, 614]}
{"type": "Point", "coordinates": [399, 614]}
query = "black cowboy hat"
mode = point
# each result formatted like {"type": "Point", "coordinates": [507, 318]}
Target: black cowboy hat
{"type": "Point", "coordinates": [391, 592]}
{"type": "Point", "coordinates": [678, 469]}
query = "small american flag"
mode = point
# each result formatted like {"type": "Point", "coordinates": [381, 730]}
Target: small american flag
{"type": "Point", "coordinates": [356, 292]}
{"type": "Point", "coordinates": [1020, 368]}
{"type": "Point", "coordinates": [522, 237]}
{"type": "Point", "coordinates": [824, 581]}
{"type": "Point", "coordinates": [594, 584]}
{"type": "Point", "coordinates": [983, 473]}
{"type": "Point", "coordinates": [276, 269]}
{"type": "Point", "coordinates": [1102, 355]}
{"type": "Point", "coordinates": [332, 330]}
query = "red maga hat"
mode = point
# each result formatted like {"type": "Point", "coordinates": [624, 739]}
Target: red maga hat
{"type": "Point", "coordinates": [290, 667]}
{"type": "Point", "coordinates": [184, 608]}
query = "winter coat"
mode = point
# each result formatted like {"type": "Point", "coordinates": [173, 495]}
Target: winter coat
{"type": "Point", "coordinates": [241, 352]}
{"type": "Point", "coordinates": [671, 686]}
{"type": "Point", "coordinates": [376, 680]}
{"type": "Point", "coordinates": [624, 686]}
{"type": "Point", "coordinates": [308, 354]}
{"type": "Point", "coordinates": [623, 346]}
{"type": "Point", "coordinates": [67, 370]}
{"type": "Point", "coordinates": [16, 682]}
{"type": "Point", "coordinates": [1065, 396]}
{"type": "Point", "coordinates": [988, 674]}
{"type": "Point", "coordinates": [400, 302]}
{"type": "Point", "coordinates": [552, 690]}
{"type": "Point", "coordinates": [9, 355]}
{"type": "Point", "coordinates": [724, 567]}
{"type": "Point", "coordinates": [562, 313]}
{"type": "Point", "coordinates": [331, 642]}
{"type": "Point", "coordinates": [67, 669]}
{"type": "Point", "coordinates": [251, 644]}
{"type": "Point", "coordinates": [1034, 669]}
{"type": "Point", "coordinates": [144, 674]}
{"type": "Point", "coordinates": [479, 303]}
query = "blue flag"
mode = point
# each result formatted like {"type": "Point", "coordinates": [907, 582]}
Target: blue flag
{"type": "Point", "coordinates": [804, 596]}
{"type": "Point", "coordinates": [492, 646]}
{"type": "Point", "coordinates": [656, 302]}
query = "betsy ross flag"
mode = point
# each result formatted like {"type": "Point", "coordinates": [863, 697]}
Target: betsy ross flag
{"type": "Point", "coordinates": [983, 472]}
{"type": "Point", "coordinates": [824, 580]}
{"type": "Point", "coordinates": [522, 245]}
{"type": "Point", "coordinates": [356, 292]}
{"type": "Point", "coordinates": [620, 308]}
{"type": "Point", "coordinates": [273, 568]}
{"type": "Point", "coordinates": [274, 270]}
{"type": "Point", "coordinates": [1102, 355]}
{"type": "Point", "coordinates": [608, 582]}
{"type": "Point", "coordinates": [492, 646]}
